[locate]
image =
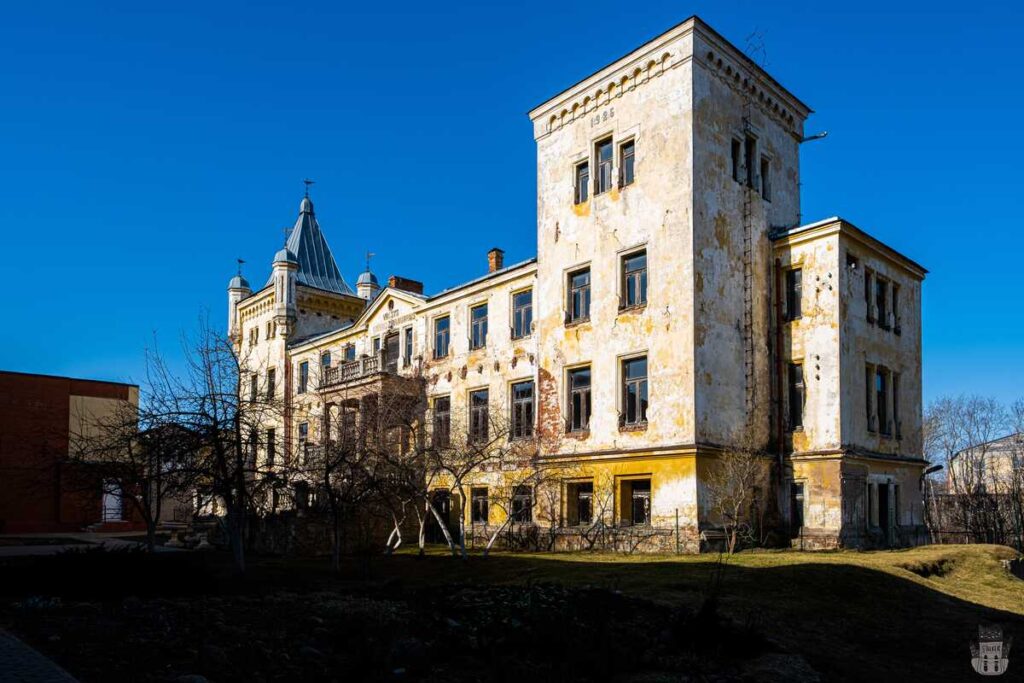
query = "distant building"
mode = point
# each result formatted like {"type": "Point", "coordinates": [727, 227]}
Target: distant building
{"type": "Point", "coordinates": [995, 467]}
{"type": "Point", "coordinates": [40, 490]}
{"type": "Point", "coordinates": [678, 305]}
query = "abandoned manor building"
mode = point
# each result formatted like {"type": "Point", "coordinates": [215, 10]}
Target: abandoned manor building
{"type": "Point", "coordinates": [678, 310]}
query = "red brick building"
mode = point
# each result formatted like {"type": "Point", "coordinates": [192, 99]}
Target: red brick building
{"type": "Point", "coordinates": [40, 491]}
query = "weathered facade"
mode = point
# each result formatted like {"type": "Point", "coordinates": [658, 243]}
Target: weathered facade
{"type": "Point", "coordinates": [677, 311]}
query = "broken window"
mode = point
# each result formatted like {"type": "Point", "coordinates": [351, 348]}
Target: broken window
{"type": "Point", "coordinates": [407, 347]}
{"type": "Point", "coordinates": [522, 313]}
{"type": "Point", "coordinates": [796, 505]}
{"type": "Point", "coordinates": [254, 381]}
{"type": "Point", "coordinates": [766, 187]}
{"type": "Point", "coordinates": [737, 159]}
{"type": "Point", "coordinates": [579, 399]}
{"type": "Point", "coordinates": [442, 421]}
{"type": "Point", "coordinates": [796, 396]}
{"type": "Point", "coordinates": [634, 279]}
{"type": "Point", "coordinates": [881, 313]}
{"type": "Point", "coordinates": [271, 447]}
{"type": "Point", "coordinates": [303, 376]}
{"type": "Point", "coordinates": [749, 160]}
{"type": "Point", "coordinates": [271, 377]}
{"type": "Point", "coordinates": [304, 442]}
{"type": "Point", "coordinates": [582, 179]}
{"type": "Point", "coordinates": [479, 415]}
{"type": "Point", "coordinates": [522, 504]}
{"type": "Point", "coordinates": [442, 331]}
{"type": "Point", "coordinates": [794, 293]}
{"type": "Point", "coordinates": [579, 296]}
{"type": "Point", "coordinates": [479, 505]}
{"type": "Point", "coordinates": [522, 410]}
{"type": "Point", "coordinates": [634, 386]}
{"type": "Point", "coordinates": [636, 499]}
{"type": "Point", "coordinates": [626, 161]}
{"type": "Point", "coordinates": [579, 503]}
{"type": "Point", "coordinates": [603, 151]}
{"type": "Point", "coordinates": [478, 326]}
{"type": "Point", "coordinates": [882, 401]}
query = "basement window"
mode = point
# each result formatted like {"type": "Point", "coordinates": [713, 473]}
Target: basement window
{"type": "Point", "coordinates": [636, 502]}
{"type": "Point", "coordinates": [580, 503]}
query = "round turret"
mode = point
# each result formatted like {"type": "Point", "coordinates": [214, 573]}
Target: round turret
{"type": "Point", "coordinates": [239, 282]}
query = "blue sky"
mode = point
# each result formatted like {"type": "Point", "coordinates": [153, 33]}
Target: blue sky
{"type": "Point", "coordinates": [144, 149]}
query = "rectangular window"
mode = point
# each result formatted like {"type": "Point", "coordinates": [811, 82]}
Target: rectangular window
{"type": "Point", "coordinates": [636, 501]}
{"type": "Point", "coordinates": [737, 159]}
{"type": "Point", "coordinates": [897, 426]}
{"type": "Point", "coordinates": [254, 382]}
{"type": "Point", "coordinates": [603, 151]}
{"type": "Point", "coordinates": [881, 311]}
{"type": "Point", "coordinates": [766, 186]}
{"type": "Point", "coordinates": [869, 402]}
{"type": "Point", "coordinates": [479, 415]}
{"type": "Point", "coordinates": [794, 293]}
{"type": "Point", "coordinates": [271, 377]}
{"type": "Point", "coordinates": [579, 399]}
{"type": "Point", "coordinates": [882, 401]}
{"type": "Point", "coordinates": [350, 352]}
{"type": "Point", "coordinates": [796, 396]}
{"type": "Point", "coordinates": [749, 160]}
{"type": "Point", "coordinates": [522, 314]}
{"type": "Point", "coordinates": [391, 353]}
{"type": "Point", "coordinates": [303, 376]}
{"type": "Point", "coordinates": [582, 180]}
{"type": "Point", "coordinates": [271, 447]}
{"type": "Point", "coordinates": [634, 387]}
{"type": "Point", "coordinates": [304, 442]}
{"type": "Point", "coordinates": [796, 505]}
{"type": "Point", "coordinates": [895, 298]}
{"type": "Point", "coordinates": [442, 332]}
{"type": "Point", "coordinates": [375, 345]}
{"type": "Point", "coordinates": [254, 444]}
{"type": "Point", "coordinates": [626, 162]}
{"type": "Point", "coordinates": [581, 503]}
{"type": "Point", "coordinates": [634, 279]}
{"type": "Point", "coordinates": [869, 278]}
{"type": "Point", "coordinates": [407, 346]}
{"type": "Point", "coordinates": [325, 359]}
{"type": "Point", "coordinates": [579, 296]}
{"type": "Point", "coordinates": [442, 421]}
{"type": "Point", "coordinates": [480, 505]}
{"type": "Point", "coordinates": [478, 327]}
{"type": "Point", "coordinates": [522, 410]}
{"type": "Point", "coordinates": [522, 504]}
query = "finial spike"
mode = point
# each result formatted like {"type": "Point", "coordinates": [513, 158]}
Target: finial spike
{"type": "Point", "coordinates": [308, 182]}
{"type": "Point", "coordinates": [369, 255]}
{"type": "Point", "coordinates": [240, 262]}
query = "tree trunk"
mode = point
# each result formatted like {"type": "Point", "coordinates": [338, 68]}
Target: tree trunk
{"type": "Point", "coordinates": [494, 536]}
{"type": "Point", "coordinates": [444, 529]}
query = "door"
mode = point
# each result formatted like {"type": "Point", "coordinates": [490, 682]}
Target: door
{"type": "Point", "coordinates": [111, 502]}
{"type": "Point", "coordinates": [391, 353]}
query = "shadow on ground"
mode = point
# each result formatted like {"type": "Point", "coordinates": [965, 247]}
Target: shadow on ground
{"type": "Point", "coordinates": [127, 615]}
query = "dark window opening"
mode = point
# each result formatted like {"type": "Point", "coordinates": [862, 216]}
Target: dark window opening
{"type": "Point", "coordinates": [882, 401]}
{"type": "Point", "coordinates": [407, 347]}
{"type": "Point", "coordinates": [304, 442]}
{"type": "Point", "coordinates": [634, 279]}
{"type": "Point", "coordinates": [579, 295]}
{"type": "Point", "coordinates": [796, 506]}
{"type": "Point", "coordinates": [749, 157]}
{"type": "Point", "coordinates": [580, 503]}
{"type": "Point", "coordinates": [478, 415]}
{"type": "Point", "coordinates": [442, 421]}
{"type": "Point", "coordinates": [796, 396]}
{"type": "Point", "coordinates": [522, 410]}
{"type": "Point", "coordinates": [626, 163]}
{"type": "Point", "coordinates": [271, 447]}
{"type": "Point", "coordinates": [880, 300]}
{"type": "Point", "coordinates": [479, 505]}
{"type": "Point", "coordinates": [271, 378]}
{"type": "Point", "coordinates": [579, 399]}
{"type": "Point", "coordinates": [522, 504]}
{"type": "Point", "coordinates": [254, 391]}
{"type": "Point", "coordinates": [442, 331]}
{"type": "Point", "coordinates": [766, 187]}
{"type": "Point", "coordinates": [737, 159]}
{"type": "Point", "coordinates": [303, 376]}
{"type": "Point", "coordinates": [604, 165]}
{"type": "Point", "coordinates": [522, 314]}
{"type": "Point", "coordinates": [634, 379]}
{"type": "Point", "coordinates": [794, 293]}
{"type": "Point", "coordinates": [636, 496]}
{"type": "Point", "coordinates": [478, 326]}
{"type": "Point", "coordinates": [582, 193]}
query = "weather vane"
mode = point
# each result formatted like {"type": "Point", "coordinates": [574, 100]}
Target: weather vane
{"type": "Point", "coordinates": [308, 182]}
{"type": "Point", "coordinates": [369, 255]}
{"type": "Point", "coordinates": [240, 262]}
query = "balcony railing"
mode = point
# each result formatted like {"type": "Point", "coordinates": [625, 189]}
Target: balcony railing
{"type": "Point", "coordinates": [355, 369]}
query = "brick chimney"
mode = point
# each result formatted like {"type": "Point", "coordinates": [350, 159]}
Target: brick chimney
{"type": "Point", "coordinates": [495, 260]}
{"type": "Point", "coordinates": [405, 284]}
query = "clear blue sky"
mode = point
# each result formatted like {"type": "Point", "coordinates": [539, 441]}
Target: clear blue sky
{"type": "Point", "coordinates": [143, 150]}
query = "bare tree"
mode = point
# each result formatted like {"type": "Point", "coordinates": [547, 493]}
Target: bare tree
{"type": "Point", "coordinates": [736, 487]}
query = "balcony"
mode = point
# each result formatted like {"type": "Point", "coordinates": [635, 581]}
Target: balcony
{"type": "Point", "coordinates": [378, 371]}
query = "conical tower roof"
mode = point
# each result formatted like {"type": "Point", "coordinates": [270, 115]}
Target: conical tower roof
{"type": "Point", "coordinates": [317, 267]}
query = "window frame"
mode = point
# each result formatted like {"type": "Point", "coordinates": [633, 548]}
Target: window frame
{"type": "Point", "coordinates": [642, 386]}
{"type": "Point", "coordinates": [586, 399]}
{"type": "Point", "coordinates": [641, 276]}
{"type": "Point", "coordinates": [604, 182]}
{"type": "Point", "coordinates": [303, 385]}
{"type": "Point", "coordinates": [627, 161]}
{"type": "Point", "coordinates": [271, 383]}
{"type": "Point", "coordinates": [441, 430]}
{"type": "Point", "coordinates": [796, 394]}
{"type": "Point", "coordinates": [765, 172]}
{"type": "Point", "coordinates": [479, 415]}
{"type": "Point", "coordinates": [523, 429]}
{"type": "Point", "coordinates": [522, 315]}
{"type": "Point", "coordinates": [792, 298]}
{"type": "Point", "coordinates": [446, 318]}
{"type": "Point", "coordinates": [475, 497]}
{"type": "Point", "coordinates": [581, 182]}
{"type": "Point", "coordinates": [585, 295]}
{"type": "Point", "coordinates": [271, 434]}
{"type": "Point", "coordinates": [519, 511]}
{"type": "Point", "coordinates": [478, 327]}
